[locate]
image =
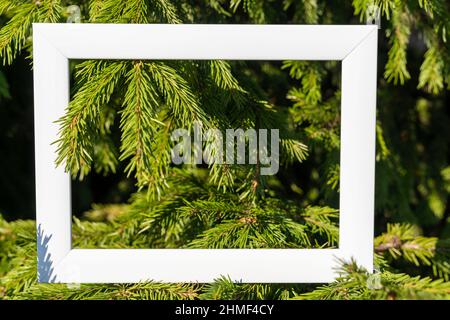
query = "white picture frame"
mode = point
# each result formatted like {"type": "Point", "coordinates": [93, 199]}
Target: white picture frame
{"type": "Point", "coordinates": [354, 45]}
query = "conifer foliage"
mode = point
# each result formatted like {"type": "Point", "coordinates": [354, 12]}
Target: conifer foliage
{"type": "Point", "coordinates": [121, 115]}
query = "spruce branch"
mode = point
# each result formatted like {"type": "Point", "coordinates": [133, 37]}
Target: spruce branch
{"type": "Point", "coordinates": [322, 221]}
{"type": "Point", "coordinates": [356, 284]}
{"type": "Point", "coordinates": [139, 121]}
{"type": "Point", "coordinates": [111, 11]}
{"type": "Point", "coordinates": [167, 11]}
{"type": "Point", "coordinates": [219, 7]}
{"type": "Point", "coordinates": [6, 6]}
{"type": "Point", "coordinates": [395, 69]}
{"type": "Point", "coordinates": [178, 96]}
{"type": "Point", "coordinates": [14, 35]}
{"type": "Point", "coordinates": [224, 288]}
{"type": "Point", "coordinates": [254, 8]}
{"type": "Point", "coordinates": [105, 151]}
{"type": "Point", "coordinates": [139, 291]}
{"type": "Point", "coordinates": [431, 71]}
{"type": "Point", "coordinates": [387, 7]}
{"type": "Point", "coordinates": [79, 127]}
{"type": "Point", "coordinates": [310, 76]}
{"type": "Point", "coordinates": [95, 7]}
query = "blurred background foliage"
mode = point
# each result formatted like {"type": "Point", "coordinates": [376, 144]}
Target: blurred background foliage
{"type": "Point", "coordinates": [293, 209]}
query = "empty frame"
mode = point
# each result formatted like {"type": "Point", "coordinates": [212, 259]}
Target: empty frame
{"type": "Point", "coordinates": [354, 45]}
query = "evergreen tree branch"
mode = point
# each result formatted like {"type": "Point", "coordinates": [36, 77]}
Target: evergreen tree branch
{"type": "Point", "coordinates": [79, 126]}
{"type": "Point", "coordinates": [402, 241]}
{"type": "Point", "coordinates": [138, 121]}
